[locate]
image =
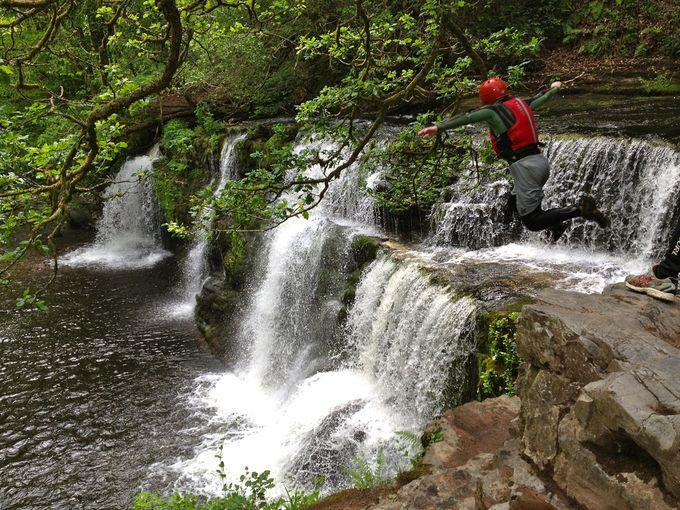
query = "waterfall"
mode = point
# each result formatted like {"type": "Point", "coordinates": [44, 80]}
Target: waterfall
{"type": "Point", "coordinates": [476, 219]}
{"type": "Point", "coordinates": [128, 232]}
{"type": "Point", "coordinates": [307, 391]}
{"type": "Point", "coordinates": [410, 335]}
{"type": "Point", "coordinates": [312, 385]}
{"type": "Point", "coordinates": [634, 181]}
{"type": "Point", "coordinates": [195, 266]}
{"type": "Point", "coordinates": [289, 325]}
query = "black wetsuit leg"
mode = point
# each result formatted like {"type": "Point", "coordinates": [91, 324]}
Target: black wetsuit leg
{"type": "Point", "coordinates": [543, 220]}
{"type": "Point", "coordinates": [670, 265]}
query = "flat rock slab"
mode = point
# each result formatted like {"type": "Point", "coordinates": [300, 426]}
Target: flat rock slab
{"type": "Point", "coordinates": [471, 429]}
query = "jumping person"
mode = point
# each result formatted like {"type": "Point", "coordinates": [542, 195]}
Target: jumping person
{"type": "Point", "coordinates": [514, 136]}
{"type": "Point", "coordinates": [661, 281]}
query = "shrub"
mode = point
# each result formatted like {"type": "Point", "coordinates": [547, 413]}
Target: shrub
{"type": "Point", "coordinates": [498, 370]}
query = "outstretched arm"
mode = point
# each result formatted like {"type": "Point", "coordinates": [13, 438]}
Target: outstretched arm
{"type": "Point", "coordinates": [482, 115]}
{"type": "Point", "coordinates": [540, 99]}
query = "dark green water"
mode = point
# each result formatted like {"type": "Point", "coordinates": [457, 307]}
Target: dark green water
{"type": "Point", "coordinates": [93, 392]}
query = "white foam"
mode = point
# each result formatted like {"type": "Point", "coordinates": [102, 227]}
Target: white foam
{"type": "Point", "coordinates": [579, 270]}
{"type": "Point", "coordinates": [267, 428]}
{"type": "Point", "coordinates": [125, 253]}
{"type": "Point", "coordinates": [128, 233]}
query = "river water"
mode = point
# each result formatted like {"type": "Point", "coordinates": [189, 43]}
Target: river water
{"type": "Point", "coordinates": [93, 390]}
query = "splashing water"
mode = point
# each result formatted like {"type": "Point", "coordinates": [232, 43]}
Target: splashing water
{"type": "Point", "coordinates": [634, 181]}
{"type": "Point", "coordinates": [128, 232]}
{"type": "Point", "coordinates": [195, 266]}
{"type": "Point", "coordinates": [306, 394]}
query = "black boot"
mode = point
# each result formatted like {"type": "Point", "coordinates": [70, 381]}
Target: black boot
{"type": "Point", "coordinates": [589, 211]}
{"type": "Point", "coordinates": [557, 231]}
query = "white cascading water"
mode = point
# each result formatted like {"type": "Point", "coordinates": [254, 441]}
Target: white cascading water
{"type": "Point", "coordinates": [195, 265]}
{"type": "Point", "coordinates": [128, 232]}
{"type": "Point", "coordinates": [475, 219]}
{"type": "Point", "coordinates": [634, 181]}
{"type": "Point", "coordinates": [410, 335]}
{"type": "Point", "coordinates": [307, 394]}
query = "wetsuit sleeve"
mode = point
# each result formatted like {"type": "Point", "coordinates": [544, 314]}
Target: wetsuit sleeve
{"type": "Point", "coordinates": [538, 100]}
{"type": "Point", "coordinates": [482, 115]}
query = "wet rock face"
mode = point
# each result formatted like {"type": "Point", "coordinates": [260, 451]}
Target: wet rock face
{"type": "Point", "coordinates": [600, 390]}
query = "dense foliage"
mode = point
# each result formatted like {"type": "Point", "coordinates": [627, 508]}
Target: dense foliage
{"type": "Point", "coordinates": [499, 368]}
{"type": "Point", "coordinates": [250, 493]}
{"type": "Point", "coordinates": [85, 83]}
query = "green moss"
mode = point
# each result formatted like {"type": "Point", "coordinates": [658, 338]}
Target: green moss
{"type": "Point", "coordinates": [364, 250]}
{"type": "Point", "coordinates": [498, 367]}
{"type": "Point", "coordinates": [438, 279]}
{"type": "Point", "coordinates": [349, 295]}
{"type": "Point", "coordinates": [661, 84]}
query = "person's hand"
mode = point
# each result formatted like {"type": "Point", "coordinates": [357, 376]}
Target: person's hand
{"type": "Point", "coordinates": [556, 85]}
{"type": "Point", "coordinates": [428, 132]}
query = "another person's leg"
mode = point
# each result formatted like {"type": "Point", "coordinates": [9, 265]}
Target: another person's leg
{"type": "Point", "coordinates": [669, 267]}
{"type": "Point", "coordinates": [661, 281]}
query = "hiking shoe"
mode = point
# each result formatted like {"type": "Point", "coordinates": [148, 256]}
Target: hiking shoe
{"type": "Point", "coordinates": [589, 211]}
{"type": "Point", "coordinates": [649, 284]}
{"type": "Point", "coordinates": [557, 231]}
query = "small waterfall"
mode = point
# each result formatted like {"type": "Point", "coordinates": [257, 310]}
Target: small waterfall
{"type": "Point", "coordinates": [291, 320]}
{"type": "Point", "coordinates": [477, 219]}
{"type": "Point", "coordinates": [195, 266]}
{"type": "Point", "coordinates": [348, 199]}
{"type": "Point", "coordinates": [128, 232]}
{"type": "Point", "coordinates": [635, 182]}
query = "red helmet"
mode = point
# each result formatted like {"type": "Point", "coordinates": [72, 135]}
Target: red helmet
{"type": "Point", "coordinates": [492, 90]}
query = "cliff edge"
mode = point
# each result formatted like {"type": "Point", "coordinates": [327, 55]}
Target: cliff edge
{"type": "Point", "coordinates": [595, 425]}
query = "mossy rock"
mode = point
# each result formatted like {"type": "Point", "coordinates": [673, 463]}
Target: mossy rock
{"type": "Point", "coordinates": [364, 249]}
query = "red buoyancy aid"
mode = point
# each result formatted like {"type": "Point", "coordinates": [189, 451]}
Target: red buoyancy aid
{"type": "Point", "coordinates": [523, 132]}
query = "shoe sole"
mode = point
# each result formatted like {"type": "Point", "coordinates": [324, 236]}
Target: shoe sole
{"type": "Point", "coordinates": [663, 296]}
{"type": "Point", "coordinates": [602, 221]}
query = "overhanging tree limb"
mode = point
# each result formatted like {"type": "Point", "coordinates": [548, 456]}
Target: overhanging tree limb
{"type": "Point", "coordinates": [452, 27]}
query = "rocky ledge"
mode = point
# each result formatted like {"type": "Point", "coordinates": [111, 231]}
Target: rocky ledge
{"type": "Point", "coordinates": [596, 424]}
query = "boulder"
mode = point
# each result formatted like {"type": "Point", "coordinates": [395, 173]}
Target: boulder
{"type": "Point", "coordinates": [600, 392]}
